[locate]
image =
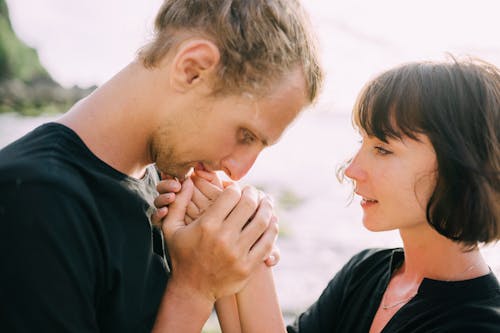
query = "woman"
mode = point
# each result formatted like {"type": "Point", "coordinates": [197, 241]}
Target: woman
{"type": "Point", "coordinates": [429, 166]}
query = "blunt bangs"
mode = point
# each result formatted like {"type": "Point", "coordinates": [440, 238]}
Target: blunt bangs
{"type": "Point", "coordinates": [389, 107]}
{"type": "Point", "coordinates": [456, 104]}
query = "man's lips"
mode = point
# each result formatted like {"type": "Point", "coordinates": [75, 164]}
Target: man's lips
{"type": "Point", "coordinates": [200, 166]}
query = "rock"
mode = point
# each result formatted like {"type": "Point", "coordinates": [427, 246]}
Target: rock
{"type": "Point", "coordinates": [25, 85]}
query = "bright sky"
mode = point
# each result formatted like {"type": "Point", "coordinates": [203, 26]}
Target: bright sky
{"type": "Point", "coordinates": [86, 42]}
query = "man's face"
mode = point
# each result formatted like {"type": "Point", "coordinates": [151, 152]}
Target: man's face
{"type": "Point", "coordinates": [227, 133]}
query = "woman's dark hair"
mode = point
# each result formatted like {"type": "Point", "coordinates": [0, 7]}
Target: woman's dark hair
{"type": "Point", "coordinates": [457, 106]}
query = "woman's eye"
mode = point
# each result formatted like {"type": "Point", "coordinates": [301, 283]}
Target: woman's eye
{"type": "Point", "coordinates": [382, 151]}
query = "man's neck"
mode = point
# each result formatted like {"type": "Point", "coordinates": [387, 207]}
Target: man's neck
{"type": "Point", "coordinates": [117, 121]}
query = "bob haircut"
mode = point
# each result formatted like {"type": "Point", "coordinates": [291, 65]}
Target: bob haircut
{"type": "Point", "coordinates": [456, 105]}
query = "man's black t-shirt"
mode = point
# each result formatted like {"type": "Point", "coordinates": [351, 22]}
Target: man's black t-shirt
{"type": "Point", "coordinates": [351, 299]}
{"type": "Point", "coordinates": [77, 250]}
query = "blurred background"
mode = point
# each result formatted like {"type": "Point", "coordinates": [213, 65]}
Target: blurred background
{"type": "Point", "coordinates": [54, 52]}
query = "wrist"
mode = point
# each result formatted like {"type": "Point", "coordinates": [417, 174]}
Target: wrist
{"type": "Point", "coordinates": [182, 310]}
{"type": "Point", "coordinates": [180, 290]}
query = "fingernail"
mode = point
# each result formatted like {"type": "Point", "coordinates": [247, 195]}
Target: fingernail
{"type": "Point", "coordinates": [175, 184]}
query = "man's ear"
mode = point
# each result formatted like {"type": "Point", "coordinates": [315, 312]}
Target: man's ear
{"type": "Point", "coordinates": [194, 63]}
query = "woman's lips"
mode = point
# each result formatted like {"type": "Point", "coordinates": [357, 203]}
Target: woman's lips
{"type": "Point", "coordinates": [365, 202]}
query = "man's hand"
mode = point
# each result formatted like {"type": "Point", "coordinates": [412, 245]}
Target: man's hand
{"type": "Point", "coordinates": [215, 254]}
{"type": "Point", "coordinates": [207, 188]}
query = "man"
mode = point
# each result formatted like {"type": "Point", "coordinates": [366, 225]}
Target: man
{"type": "Point", "coordinates": [219, 82]}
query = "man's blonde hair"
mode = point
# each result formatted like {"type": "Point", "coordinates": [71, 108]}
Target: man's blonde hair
{"type": "Point", "coordinates": [260, 41]}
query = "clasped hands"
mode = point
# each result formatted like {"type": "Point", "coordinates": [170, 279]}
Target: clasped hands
{"type": "Point", "coordinates": [217, 234]}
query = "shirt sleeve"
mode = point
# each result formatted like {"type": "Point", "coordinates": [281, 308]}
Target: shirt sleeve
{"type": "Point", "coordinates": [50, 261]}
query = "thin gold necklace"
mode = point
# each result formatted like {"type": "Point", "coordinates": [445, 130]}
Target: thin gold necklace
{"type": "Point", "coordinates": [393, 305]}
{"type": "Point", "coordinates": [386, 306]}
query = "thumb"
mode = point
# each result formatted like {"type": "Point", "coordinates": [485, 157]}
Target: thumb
{"type": "Point", "coordinates": [177, 209]}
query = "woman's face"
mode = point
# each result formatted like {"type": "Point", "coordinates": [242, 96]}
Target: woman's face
{"type": "Point", "coordinates": [394, 181]}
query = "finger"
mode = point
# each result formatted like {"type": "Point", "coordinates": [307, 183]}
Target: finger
{"type": "Point", "coordinates": [192, 210]}
{"type": "Point", "coordinates": [211, 177]}
{"type": "Point", "coordinates": [199, 198]}
{"type": "Point", "coordinates": [188, 219]}
{"type": "Point", "coordinates": [177, 209]}
{"type": "Point", "coordinates": [207, 189]}
{"type": "Point", "coordinates": [258, 224]}
{"type": "Point", "coordinates": [264, 245]}
{"type": "Point", "coordinates": [273, 258]}
{"type": "Point", "coordinates": [225, 203]}
{"type": "Point", "coordinates": [158, 215]}
{"type": "Point", "coordinates": [169, 185]}
{"type": "Point", "coordinates": [164, 200]}
{"type": "Point", "coordinates": [245, 208]}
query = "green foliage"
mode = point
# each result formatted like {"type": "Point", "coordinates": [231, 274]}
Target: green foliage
{"type": "Point", "coordinates": [289, 200]}
{"type": "Point", "coordinates": [16, 58]}
{"type": "Point", "coordinates": [33, 110]}
{"type": "Point", "coordinates": [25, 86]}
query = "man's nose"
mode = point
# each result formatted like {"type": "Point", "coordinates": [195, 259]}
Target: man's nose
{"type": "Point", "coordinates": [237, 165]}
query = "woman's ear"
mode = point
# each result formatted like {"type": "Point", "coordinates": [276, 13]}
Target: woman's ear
{"type": "Point", "coordinates": [194, 64]}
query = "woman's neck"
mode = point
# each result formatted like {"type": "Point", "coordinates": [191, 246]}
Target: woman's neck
{"type": "Point", "coordinates": [431, 255]}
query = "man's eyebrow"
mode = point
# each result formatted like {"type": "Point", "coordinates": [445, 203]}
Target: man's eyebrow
{"type": "Point", "coordinates": [262, 138]}
{"type": "Point", "coordinates": [258, 135]}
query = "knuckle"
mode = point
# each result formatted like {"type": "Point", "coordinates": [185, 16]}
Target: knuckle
{"type": "Point", "coordinates": [206, 227]}
{"type": "Point", "coordinates": [232, 191]}
{"type": "Point", "coordinates": [232, 257]}
{"type": "Point", "coordinates": [224, 241]}
{"type": "Point", "coordinates": [243, 270]}
{"type": "Point", "coordinates": [252, 191]}
{"type": "Point", "coordinates": [247, 204]}
{"type": "Point", "coordinates": [261, 223]}
{"type": "Point", "coordinates": [249, 201]}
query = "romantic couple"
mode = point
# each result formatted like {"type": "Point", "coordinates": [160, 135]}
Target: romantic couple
{"type": "Point", "coordinates": [102, 231]}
